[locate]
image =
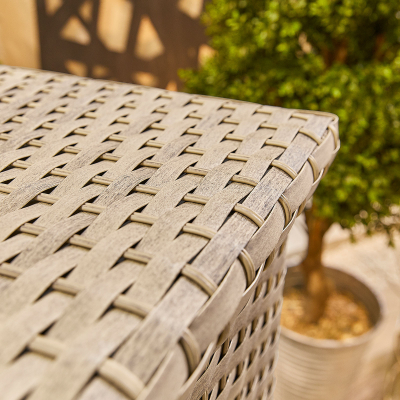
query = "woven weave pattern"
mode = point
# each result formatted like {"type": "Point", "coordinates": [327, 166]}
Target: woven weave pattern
{"type": "Point", "coordinates": [134, 228]}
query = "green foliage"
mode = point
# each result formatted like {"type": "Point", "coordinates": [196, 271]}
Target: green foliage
{"type": "Point", "coordinates": [341, 56]}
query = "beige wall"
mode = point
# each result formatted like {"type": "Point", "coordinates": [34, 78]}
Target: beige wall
{"type": "Point", "coordinates": [19, 36]}
{"type": "Point", "coordinates": [19, 40]}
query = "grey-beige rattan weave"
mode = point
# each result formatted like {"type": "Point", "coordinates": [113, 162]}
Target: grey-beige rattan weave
{"type": "Point", "coordinates": [142, 235]}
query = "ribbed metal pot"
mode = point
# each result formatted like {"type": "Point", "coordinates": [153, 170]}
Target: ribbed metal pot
{"type": "Point", "coordinates": [316, 369]}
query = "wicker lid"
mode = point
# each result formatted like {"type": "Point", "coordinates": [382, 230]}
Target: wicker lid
{"type": "Point", "coordinates": [132, 220]}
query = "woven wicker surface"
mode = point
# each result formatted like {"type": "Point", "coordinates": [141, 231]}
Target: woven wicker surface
{"type": "Point", "coordinates": [134, 225]}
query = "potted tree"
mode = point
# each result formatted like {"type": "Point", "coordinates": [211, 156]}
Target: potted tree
{"type": "Point", "coordinates": [337, 56]}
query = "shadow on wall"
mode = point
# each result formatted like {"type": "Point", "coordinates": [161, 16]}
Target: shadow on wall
{"type": "Point", "coordinates": [140, 41]}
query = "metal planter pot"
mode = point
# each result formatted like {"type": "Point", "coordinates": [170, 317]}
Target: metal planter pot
{"type": "Point", "coordinates": [315, 369]}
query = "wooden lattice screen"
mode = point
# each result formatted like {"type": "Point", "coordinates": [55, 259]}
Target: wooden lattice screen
{"type": "Point", "coordinates": [141, 41]}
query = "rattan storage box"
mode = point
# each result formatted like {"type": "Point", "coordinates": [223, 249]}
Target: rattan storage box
{"type": "Point", "coordinates": [142, 235]}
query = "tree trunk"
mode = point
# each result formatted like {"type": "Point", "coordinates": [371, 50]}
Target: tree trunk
{"type": "Point", "coordinates": [317, 286]}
